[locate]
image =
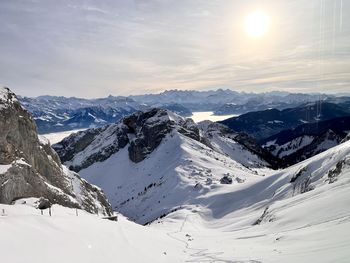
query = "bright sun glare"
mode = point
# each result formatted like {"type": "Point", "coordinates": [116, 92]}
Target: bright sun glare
{"type": "Point", "coordinates": [257, 24]}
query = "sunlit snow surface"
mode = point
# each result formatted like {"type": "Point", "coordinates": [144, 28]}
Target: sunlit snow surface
{"type": "Point", "coordinates": [216, 225]}
{"type": "Point", "coordinates": [27, 236]}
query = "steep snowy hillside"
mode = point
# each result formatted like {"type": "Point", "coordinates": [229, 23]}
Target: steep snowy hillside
{"type": "Point", "coordinates": [300, 214]}
{"type": "Point", "coordinates": [307, 140]}
{"type": "Point", "coordinates": [238, 146]}
{"type": "Point", "coordinates": [29, 167]}
{"type": "Point", "coordinates": [155, 161]}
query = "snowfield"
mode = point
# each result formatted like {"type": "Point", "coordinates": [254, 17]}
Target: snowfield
{"type": "Point", "coordinates": [271, 220]}
{"type": "Point", "coordinates": [27, 236]}
{"type": "Point", "coordinates": [300, 214]}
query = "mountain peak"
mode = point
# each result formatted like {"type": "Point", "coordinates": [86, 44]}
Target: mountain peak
{"type": "Point", "coordinates": [7, 96]}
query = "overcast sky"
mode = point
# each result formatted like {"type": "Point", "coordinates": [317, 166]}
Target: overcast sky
{"type": "Point", "coordinates": [120, 47]}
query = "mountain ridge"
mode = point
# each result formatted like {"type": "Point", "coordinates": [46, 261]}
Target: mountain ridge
{"type": "Point", "coordinates": [29, 167]}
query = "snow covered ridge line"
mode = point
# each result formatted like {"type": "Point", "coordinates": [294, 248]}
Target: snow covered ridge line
{"type": "Point", "coordinates": [142, 132]}
{"type": "Point", "coordinates": [154, 161]}
{"type": "Point", "coordinates": [31, 168]}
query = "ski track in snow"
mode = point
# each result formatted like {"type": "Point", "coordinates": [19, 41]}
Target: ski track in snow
{"type": "Point", "coordinates": [201, 254]}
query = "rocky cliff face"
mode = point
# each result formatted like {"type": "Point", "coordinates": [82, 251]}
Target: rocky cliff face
{"type": "Point", "coordinates": [142, 132]}
{"type": "Point", "coordinates": [29, 167]}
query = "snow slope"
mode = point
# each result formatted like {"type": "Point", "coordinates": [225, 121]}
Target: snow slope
{"type": "Point", "coordinates": [27, 236]}
{"type": "Point", "coordinates": [300, 214]}
{"type": "Point", "coordinates": [267, 219]}
{"type": "Point", "coordinates": [176, 173]}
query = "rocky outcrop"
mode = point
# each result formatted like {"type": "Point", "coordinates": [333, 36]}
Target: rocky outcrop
{"type": "Point", "coordinates": [29, 167]}
{"type": "Point", "coordinates": [212, 132]}
{"type": "Point", "coordinates": [347, 138]}
{"type": "Point", "coordinates": [98, 143]}
{"type": "Point", "coordinates": [226, 180]}
{"type": "Point", "coordinates": [142, 132]}
{"type": "Point", "coordinates": [149, 128]}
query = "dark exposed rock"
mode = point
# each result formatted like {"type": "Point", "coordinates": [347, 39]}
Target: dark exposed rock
{"type": "Point", "coordinates": [334, 173]}
{"type": "Point", "coordinates": [251, 144]}
{"type": "Point", "coordinates": [189, 129]}
{"type": "Point", "coordinates": [34, 168]}
{"type": "Point", "coordinates": [44, 203]}
{"type": "Point", "coordinates": [262, 217]}
{"type": "Point", "coordinates": [75, 143]}
{"type": "Point", "coordinates": [149, 128]}
{"type": "Point", "coordinates": [347, 138]}
{"type": "Point", "coordinates": [226, 180]}
{"type": "Point", "coordinates": [142, 132]}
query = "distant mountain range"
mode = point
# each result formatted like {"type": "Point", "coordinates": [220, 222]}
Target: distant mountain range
{"type": "Point", "coordinates": [53, 114]}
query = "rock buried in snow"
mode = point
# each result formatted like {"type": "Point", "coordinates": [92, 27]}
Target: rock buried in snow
{"type": "Point", "coordinates": [226, 180]}
{"type": "Point", "coordinates": [44, 203]}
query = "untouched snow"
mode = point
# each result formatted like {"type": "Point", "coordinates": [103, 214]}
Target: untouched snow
{"type": "Point", "coordinates": [27, 236]}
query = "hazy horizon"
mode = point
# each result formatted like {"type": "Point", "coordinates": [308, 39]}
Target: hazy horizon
{"type": "Point", "coordinates": [337, 94]}
{"type": "Point", "coordinates": [92, 49]}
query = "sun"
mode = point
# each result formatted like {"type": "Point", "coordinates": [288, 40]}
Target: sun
{"type": "Point", "coordinates": [257, 24]}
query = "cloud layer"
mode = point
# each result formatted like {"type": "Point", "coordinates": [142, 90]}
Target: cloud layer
{"type": "Point", "coordinates": [95, 48]}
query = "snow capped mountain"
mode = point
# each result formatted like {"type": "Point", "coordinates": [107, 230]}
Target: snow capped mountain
{"type": "Point", "coordinates": [30, 168]}
{"type": "Point", "coordinates": [225, 102]}
{"type": "Point", "coordinates": [55, 114]}
{"type": "Point", "coordinates": [307, 140]}
{"type": "Point", "coordinates": [155, 161]}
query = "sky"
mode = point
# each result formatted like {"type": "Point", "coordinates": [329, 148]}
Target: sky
{"type": "Point", "coordinates": [95, 48]}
